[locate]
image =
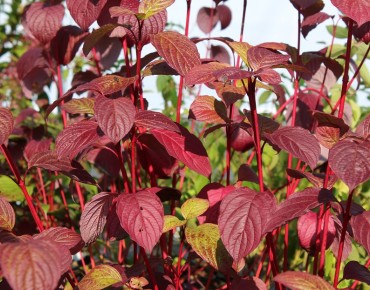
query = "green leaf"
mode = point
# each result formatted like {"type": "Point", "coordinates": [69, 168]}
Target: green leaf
{"type": "Point", "coordinates": [194, 207]}
{"type": "Point", "coordinates": [264, 97]}
{"type": "Point", "coordinates": [148, 8]}
{"type": "Point", "coordinates": [341, 32]}
{"type": "Point", "coordinates": [10, 190]}
{"type": "Point", "coordinates": [100, 277]}
{"type": "Point", "coordinates": [171, 222]}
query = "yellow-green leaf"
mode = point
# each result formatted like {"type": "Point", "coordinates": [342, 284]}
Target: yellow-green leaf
{"type": "Point", "coordinates": [241, 49]}
{"type": "Point", "coordinates": [10, 190]}
{"type": "Point", "coordinates": [100, 277]}
{"type": "Point", "coordinates": [206, 242]}
{"type": "Point", "coordinates": [171, 222]}
{"type": "Point", "coordinates": [80, 106]}
{"type": "Point", "coordinates": [194, 207]}
{"type": "Point", "coordinates": [148, 8]}
{"type": "Point", "coordinates": [7, 215]}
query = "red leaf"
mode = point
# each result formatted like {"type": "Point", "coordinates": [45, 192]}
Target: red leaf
{"type": "Point", "coordinates": [114, 116]}
{"type": "Point", "coordinates": [220, 54]}
{"type": "Point", "coordinates": [32, 265]}
{"type": "Point", "coordinates": [350, 162]}
{"type": "Point", "coordinates": [269, 76]}
{"type": "Point", "coordinates": [94, 216]}
{"type": "Point", "coordinates": [85, 12]}
{"type": "Point", "coordinates": [312, 21]}
{"type": "Point", "coordinates": [362, 33]}
{"type": "Point", "coordinates": [243, 213]}
{"type": "Point", "coordinates": [231, 73]}
{"type": "Point", "coordinates": [225, 15]}
{"type": "Point", "coordinates": [246, 173]}
{"type": "Point", "coordinates": [203, 73]}
{"type": "Point", "coordinates": [316, 179]}
{"type": "Point", "coordinates": [113, 226]}
{"type": "Point", "coordinates": [360, 226]}
{"type": "Point", "coordinates": [252, 283]}
{"type": "Point", "coordinates": [207, 19]}
{"type": "Point", "coordinates": [141, 216]}
{"type": "Point", "coordinates": [7, 215]}
{"type": "Point", "coordinates": [155, 120]}
{"type": "Point", "coordinates": [308, 7]}
{"type": "Point", "coordinates": [259, 58]}
{"type": "Point", "coordinates": [229, 93]}
{"type": "Point", "coordinates": [297, 141]}
{"type": "Point", "coordinates": [185, 147]}
{"type": "Point", "coordinates": [32, 59]}
{"type": "Point", "coordinates": [177, 50]}
{"type": "Point", "coordinates": [358, 10]}
{"type": "Point", "coordinates": [6, 124]}
{"type": "Point", "coordinates": [94, 37]}
{"type": "Point", "coordinates": [302, 281]}
{"type": "Point", "coordinates": [354, 270]}
{"type": "Point", "coordinates": [364, 127]}
{"type": "Point", "coordinates": [296, 205]}
{"type": "Point", "coordinates": [209, 110]}
{"type": "Point", "coordinates": [35, 146]}
{"type": "Point", "coordinates": [63, 236]}
{"type": "Point", "coordinates": [77, 137]}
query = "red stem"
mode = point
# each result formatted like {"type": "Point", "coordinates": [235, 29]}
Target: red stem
{"type": "Point", "coordinates": [123, 169]}
{"type": "Point", "coordinates": [149, 268]}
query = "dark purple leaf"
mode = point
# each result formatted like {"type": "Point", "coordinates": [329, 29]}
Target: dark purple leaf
{"type": "Point", "coordinates": [297, 141]}
{"type": "Point", "coordinates": [141, 216]}
{"type": "Point", "coordinates": [77, 137]}
{"type": "Point", "coordinates": [105, 158]}
{"type": "Point", "coordinates": [209, 110]}
{"type": "Point", "coordinates": [114, 116]}
{"type": "Point", "coordinates": [316, 179]}
{"type": "Point", "coordinates": [107, 51]}
{"type": "Point", "coordinates": [362, 33]}
{"type": "Point", "coordinates": [306, 103]}
{"type": "Point", "coordinates": [250, 283]}
{"type": "Point", "coordinates": [350, 162]}
{"type": "Point", "coordinates": [265, 124]}
{"type": "Point", "coordinates": [32, 59]}
{"type": "Point", "coordinates": [178, 50]}
{"type": "Point", "coordinates": [220, 54]}
{"type": "Point", "coordinates": [94, 37]}
{"type": "Point", "coordinates": [224, 15]}
{"type": "Point", "coordinates": [85, 12]}
{"type": "Point", "coordinates": [347, 248]}
{"type": "Point", "coordinates": [94, 216]}
{"type": "Point", "coordinates": [260, 58]}
{"type": "Point", "coordinates": [7, 215]}
{"type": "Point", "coordinates": [231, 73]}
{"type": "Point", "coordinates": [44, 20]}
{"type": "Point", "coordinates": [6, 124]}
{"type": "Point", "coordinates": [358, 10]}
{"type": "Point", "coordinates": [246, 173]}
{"type": "Point", "coordinates": [296, 205]}
{"type": "Point", "coordinates": [155, 120]}
{"type": "Point", "coordinates": [158, 67]}
{"type": "Point", "coordinates": [360, 226]}
{"type": "Point", "coordinates": [203, 73]}
{"type": "Point", "coordinates": [229, 93]}
{"type": "Point", "coordinates": [354, 270]}
{"type": "Point", "coordinates": [243, 213]}
{"type": "Point", "coordinates": [185, 147]}
{"type": "Point", "coordinates": [301, 280]}
{"type": "Point", "coordinates": [308, 7]}
{"type": "Point", "coordinates": [312, 21]}
{"type": "Point", "coordinates": [207, 19]}
{"type": "Point", "coordinates": [241, 140]}
{"type": "Point", "coordinates": [166, 193]}
{"type": "Point", "coordinates": [113, 226]}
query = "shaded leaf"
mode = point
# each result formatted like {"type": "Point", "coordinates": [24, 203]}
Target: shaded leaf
{"type": "Point", "coordinates": [229, 93]}
{"type": "Point", "coordinates": [100, 277]}
{"type": "Point", "coordinates": [206, 242]}
{"type": "Point", "coordinates": [260, 58]}
{"type": "Point", "coordinates": [9, 237]}
{"type": "Point", "coordinates": [364, 127]}
{"type": "Point", "coordinates": [224, 15]}
{"type": "Point", "coordinates": [246, 173]}
{"type": "Point", "coordinates": [94, 37]}
{"type": "Point", "coordinates": [316, 179]}
{"type": "Point", "coordinates": [360, 226]}
{"type": "Point", "coordinates": [154, 120]}
{"type": "Point", "coordinates": [297, 141]}
{"type": "Point", "coordinates": [113, 226]}
{"type": "Point", "coordinates": [7, 215]}
{"type": "Point", "coordinates": [148, 8]}
{"type": "Point", "coordinates": [171, 222]}
{"type": "Point", "coordinates": [85, 12]}
{"type": "Point", "coordinates": [6, 124]}
{"type": "Point", "coordinates": [243, 213]}
{"type": "Point", "coordinates": [80, 106]}
{"type": "Point", "coordinates": [358, 10]}
{"type": "Point", "coordinates": [94, 216]}
{"type": "Point", "coordinates": [350, 162]}
{"type": "Point", "coordinates": [250, 283]}
{"type": "Point", "coordinates": [207, 19]}
{"type": "Point", "coordinates": [203, 73]}
{"type": "Point", "coordinates": [219, 53]}
{"type": "Point", "coordinates": [141, 216]}
{"type": "Point", "coordinates": [347, 247]}
{"type": "Point", "coordinates": [302, 281]}
{"type": "Point", "coordinates": [208, 109]}
{"type": "Point", "coordinates": [265, 124]}
{"type": "Point", "coordinates": [354, 270]}
{"type": "Point", "coordinates": [308, 7]}
{"type": "Point", "coordinates": [158, 67]}
{"type": "Point", "coordinates": [194, 207]}
{"type": "Point", "coordinates": [178, 51]}
{"type": "Point", "coordinates": [231, 73]}
{"type": "Point", "coordinates": [185, 147]}
{"type": "Point", "coordinates": [312, 21]}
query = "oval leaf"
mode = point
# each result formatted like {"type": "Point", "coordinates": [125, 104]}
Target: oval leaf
{"type": "Point", "coordinates": [115, 116]}
{"type": "Point", "coordinates": [7, 215]}
{"type": "Point", "coordinates": [302, 281]}
{"type": "Point", "coordinates": [207, 19]}
{"type": "Point", "coordinates": [10, 190]}
{"type": "Point", "coordinates": [194, 207]}
{"type": "Point", "coordinates": [141, 216]}
{"type": "Point", "coordinates": [6, 124]}
{"type": "Point", "coordinates": [99, 278]}
{"type": "Point", "coordinates": [208, 109]}
{"type": "Point", "coordinates": [155, 120]}
{"type": "Point", "coordinates": [94, 216]}
{"type": "Point", "coordinates": [85, 12]}
{"type": "Point", "coordinates": [171, 222]}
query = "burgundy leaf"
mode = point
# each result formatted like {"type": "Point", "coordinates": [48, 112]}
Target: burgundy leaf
{"type": "Point", "coordinates": [7, 215]}
{"type": "Point", "coordinates": [141, 216]}
{"type": "Point", "coordinates": [231, 73]}
{"type": "Point", "coordinates": [220, 54]}
{"type": "Point", "coordinates": [114, 116]}
{"type": "Point", "coordinates": [62, 236]}
{"type": "Point", "coordinates": [113, 225]}
{"type": "Point", "coordinates": [297, 141]}
{"type": "Point", "coordinates": [229, 93]}
{"type": "Point", "coordinates": [85, 12]}
{"type": "Point", "coordinates": [77, 137]}
{"type": "Point", "coordinates": [269, 76]}
{"type": "Point", "coordinates": [354, 270]}
{"type": "Point", "coordinates": [94, 37]}
{"type": "Point", "coordinates": [347, 247]}
{"type": "Point", "coordinates": [6, 124]}
{"type": "Point", "coordinates": [104, 159]}
{"type": "Point", "coordinates": [224, 15]}
{"type": "Point", "coordinates": [209, 110]}
{"type": "Point", "coordinates": [360, 226]}
{"type": "Point", "coordinates": [107, 51]}
{"type": "Point", "coordinates": [243, 213]}
{"type": "Point", "coordinates": [155, 120]}
{"type": "Point", "coordinates": [312, 21]}
{"type": "Point", "coordinates": [363, 128]}
{"type": "Point", "coordinates": [358, 10]}
{"type": "Point", "coordinates": [207, 19]}
{"type": "Point", "coordinates": [246, 173]}
{"type": "Point", "coordinates": [44, 20]}
{"type": "Point", "coordinates": [94, 216]}
{"type": "Point", "coordinates": [296, 205]}
{"type": "Point", "coordinates": [316, 179]}
{"type": "Point", "coordinates": [259, 58]}
{"type": "Point", "coordinates": [32, 59]}
{"type": "Point", "coordinates": [35, 146]}
{"type": "Point", "coordinates": [185, 147]}
{"type": "Point", "coordinates": [203, 73]}
{"type": "Point", "coordinates": [302, 281]}
{"type": "Point", "coordinates": [362, 33]}
{"type": "Point", "coordinates": [250, 283]}
{"type": "Point", "coordinates": [241, 140]}
{"type": "Point", "coordinates": [9, 237]}
{"type": "Point", "coordinates": [265, 124]}
{"type": "Point", "coordinates": [350, 162]}
{"type": "Point", "coordinates": [178, 50]}
{"type": "Point", "coordinates": [308, 7]}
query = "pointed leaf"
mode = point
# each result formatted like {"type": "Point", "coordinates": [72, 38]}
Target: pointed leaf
{"type": "Point", "coordinates": [308, 7]}
{"type": "Point", "coordinates": [99, 278]}
{"type": "Point", "coordinates": [115, 116]}
{"type": "Point", "coordinates": [354, 270]}
{"type": "Point", "coordinates": [94, 216]}
{"type": "Point", "coordinates": [358, 10]}
{"type": "Point", "coordinates": [208, 109]}
{"type": "Point", "coordinates": [231, 73]}
{"type": "Point", "coordinates": [194, 207]}
{"type": "Point", "coordinates": [296, 205]}
{"type": "Point", "coordinates": [171, 222]}
{"type": "Point", "coordinates": [265, 124]}
{"type": "Point", "coordinates": [151, 7]}
{"type": "Point", "coordinates": [178, 51]}
{"type": "Point", "coordinates": [243, 213]}
{"type": "Point", "coordinates": [302, 281]}
{"type": "Point", "coordinates": [80, 106]}
{"type": "Point", "coordinates": [350, 162]}
{"type": "Point", "coordinates": [360, 226]}
{"type": "Point", "coordinates": [220, 54]}
{"type": "Point", "coordinates": [10, 190]}
{"type": "Point", "coordinates": [299, 142]}
{"type": "Point", "coordinates": [141, 216]}
{"type": "Point", "coordinates": [154, 120]}
{"type": "Point", "coordinates": [347, 247]}
{"type": "Point", "coordinates": [185, 147]}
{"type": "Point", "coordinates": [246, 173]}
{"type": "Point", "coordinates": [206, 242]}
{"type": "Point", "coordinates": [6, 124]}
{"type": "Point", "coordinates": [316, 179]}
{"type": "Point", "coordinates": [36, 146]}
{"type": "Point", "coordinates": [259, 58]}
{"type": "Point", "coordinates": [85, 12]}
{"type": "Point", "coordinates": [7, 215]}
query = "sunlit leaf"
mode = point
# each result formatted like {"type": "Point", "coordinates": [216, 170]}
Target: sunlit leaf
{"type": "Point", "coordinates": [208, 109]}
{"type": "Point", "coordinates": [172, 222]}
{"type": "Point", "coordinates": [155, 120]}
{"type": "Point", "coordinates": [10, 190]}
{"type": "Point", "coordinates": [7, 215]}
{"type": "Point", "coordinates": [80, 106]}
{"type": "Point", "coordinates": [194, 207]}
{"type": "Point", "coordinates": [358, 10]}
{"type": "Point", "coordinates": [85, 12]}
{"type": "Point", "coordinates": [99, 278]}
{"type": "Point", "coordinates": [150, 7]}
